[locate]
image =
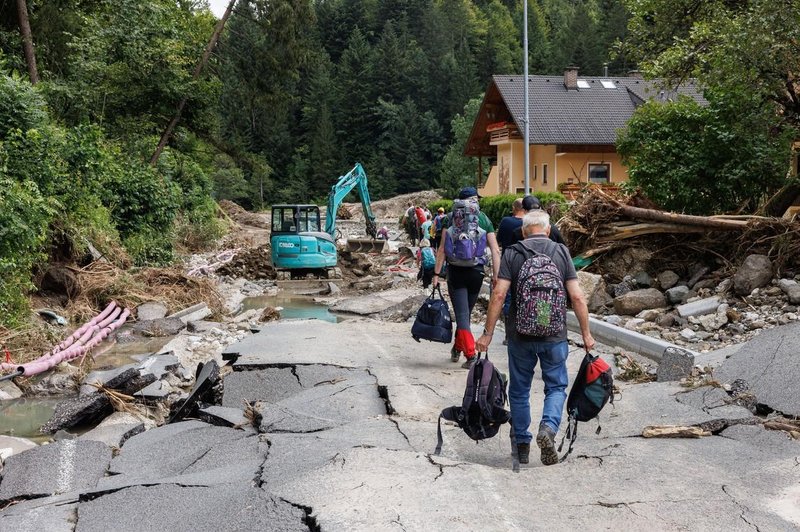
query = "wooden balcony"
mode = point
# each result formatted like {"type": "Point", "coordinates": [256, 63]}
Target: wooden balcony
{"type": "Point", "coordinates": [502, 132]}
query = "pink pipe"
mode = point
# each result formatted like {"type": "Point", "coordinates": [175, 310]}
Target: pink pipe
{"type": "Point", "coordinates": [86, 342]}
{"type": "Point", "coordinates": [79, 332]}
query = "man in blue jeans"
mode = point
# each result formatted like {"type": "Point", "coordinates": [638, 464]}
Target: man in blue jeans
{"type": "Point", "coordinates": [524, 352]}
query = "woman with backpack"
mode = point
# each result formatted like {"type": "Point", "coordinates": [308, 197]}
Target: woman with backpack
{"type": "Point", "coordinates": [426, 262]}
{"type": "Point", "coordinates": [466, 234]}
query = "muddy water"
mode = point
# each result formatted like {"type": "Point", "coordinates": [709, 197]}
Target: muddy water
{"type": "Point", "coordinates": [23, 417]}
{"type": "Point", "coordinates": [294, 307]}
{"type": "Point", "coordinates": [115, 354]}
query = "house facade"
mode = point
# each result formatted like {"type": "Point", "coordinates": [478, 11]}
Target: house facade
{"type": "Point", "coordinates": [572, 133]}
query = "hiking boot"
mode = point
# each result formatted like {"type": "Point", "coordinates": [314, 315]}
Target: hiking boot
{"type": "Point", "coordinates": [546, 442]}
{"type": "Point", "coordinates": [469, 363]}
{"type": "Point", "coordinates": [454, 355]}
{"type": "Point", "coordinates": [523, 452]}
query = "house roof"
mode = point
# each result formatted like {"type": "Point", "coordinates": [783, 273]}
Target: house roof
{"type": "Point", "coordinates": [590, 115]}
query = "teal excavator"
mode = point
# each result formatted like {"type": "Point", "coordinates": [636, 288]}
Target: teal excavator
{"type": "Point", "coordinates": [300, 247]}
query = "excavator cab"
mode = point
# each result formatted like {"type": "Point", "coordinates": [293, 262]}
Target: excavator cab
{"type": "Point", "coordinates": [298, 244]}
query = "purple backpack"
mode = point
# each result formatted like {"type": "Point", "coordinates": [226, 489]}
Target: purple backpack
{"type": "Point", "coordinates": [541, 300]}
{"type": "Point", "coordinates": [465, 241]}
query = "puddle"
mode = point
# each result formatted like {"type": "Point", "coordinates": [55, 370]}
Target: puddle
{"type": "Point", "coordinates": [294, 307]}
{"type": "Point", "coordinates": [118, 354]}
{"type": "Point", "coordinates": [23, 417]}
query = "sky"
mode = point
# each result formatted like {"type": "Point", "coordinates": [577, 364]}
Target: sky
{"type": "Point", "coordinates": [218, 6]}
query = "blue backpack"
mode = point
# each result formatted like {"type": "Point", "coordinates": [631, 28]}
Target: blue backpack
{"type": "Point", "coordinates": [428, 259]}
{"type": "Point", "coordinates": [465, 241]}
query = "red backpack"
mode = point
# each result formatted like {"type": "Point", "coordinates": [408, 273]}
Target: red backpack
{"type": "Point", "coordinates": [420, 215]}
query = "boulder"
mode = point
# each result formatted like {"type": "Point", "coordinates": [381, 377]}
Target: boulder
{"type": "Point", "coordinates": [675, 364]}
{"type": "Point", "coordinates": [9, 390]}
{"type": "Point", "coordinates": [677, 294]}
{"type": "Point", "coordinates": [636, 301]}
{"type": "Point", "coordinates": [643, 280]}
{"type": "Point", "coordinates": [159, 328]}
{"type": "Point", "coordinates": [755, 272]}
{"type": "Point", "coordinates": [594, 288]}
{"type": "Point", "coordinates": [667, 279]}
{"type": "Point", "coordinates": [152, 310]}
{"type": "Point", "coordinates": [792, 289]}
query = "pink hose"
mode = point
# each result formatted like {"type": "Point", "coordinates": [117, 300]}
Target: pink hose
{"type": "Point", "coordinates": [79, 332]}
{"type": "Point", "coordinates": [91, 335]}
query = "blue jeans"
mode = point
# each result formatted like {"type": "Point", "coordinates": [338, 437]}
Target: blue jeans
{"type": "Point", "coordinates": [522, 359]}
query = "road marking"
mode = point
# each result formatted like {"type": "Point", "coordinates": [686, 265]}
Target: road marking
{"type": "Point", "coordinates": [66, 467]}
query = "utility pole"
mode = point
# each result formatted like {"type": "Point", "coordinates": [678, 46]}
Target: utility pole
{"type": "Point", "coordinates": [197, 70]}
{"type": "Point", "coordinates": [527, 103]}
{"type": "Point", "coordinates": [27, 40]}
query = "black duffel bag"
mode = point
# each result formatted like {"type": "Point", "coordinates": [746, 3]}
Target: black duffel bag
{"type": "Point", "coordinates": [433, 320]}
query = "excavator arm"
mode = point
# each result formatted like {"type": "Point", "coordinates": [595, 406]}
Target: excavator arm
{"type": "Point", "coordinates": [355, 178]}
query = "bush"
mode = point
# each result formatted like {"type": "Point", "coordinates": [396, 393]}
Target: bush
{"type": "Point", "coordinates": [150, 247]}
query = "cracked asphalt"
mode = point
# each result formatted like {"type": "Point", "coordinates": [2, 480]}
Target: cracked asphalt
{"type": "Point", "coordinates": [344, 441]}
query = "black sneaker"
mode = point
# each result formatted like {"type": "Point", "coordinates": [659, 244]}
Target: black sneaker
{"type": "Point", "coordinates": [454, 355]}
{"type": "Point", "coordinates": [546, 442]}
{"type": "Point", "coordinates": [469, 362]}
{"type": "Point", "coordinates": [523, 452]}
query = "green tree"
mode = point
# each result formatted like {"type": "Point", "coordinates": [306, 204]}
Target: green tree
{"type": "Point", "coordinates": [704, 160]}
{"type": "Point", "coordinates": [457, 170]}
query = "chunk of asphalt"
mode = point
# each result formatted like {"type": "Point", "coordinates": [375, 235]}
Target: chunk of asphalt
{"type": "Point", "coordinates": [190, 509]}
{"type": "Point", "coordinates": [270, 385]}
{"type": "Point", "coordinates": [84, 409]}
{"type": "Point", "coordinates": [113, 435]}
{"type": "Point", "coordinates": [300, 453]}
{"type": "Point", "coordinates": [322, 407]}
{"type": "Point", "coordinates": [34, 516]}
{"type": "Point", "coordinates": [60, 467]}
{"type": "Point", "coordinates": [768, 363]}
{"type": "Point", "coordinates": [223, 416]}
{"type": "Point", "coordinates": [207, 377]}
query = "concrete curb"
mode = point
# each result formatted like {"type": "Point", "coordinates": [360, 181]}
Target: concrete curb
{"type": "Point", "coordinates": [613, 336]}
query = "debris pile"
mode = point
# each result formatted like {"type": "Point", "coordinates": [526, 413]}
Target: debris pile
{"type": "Point", "coordinates": [244, 217]}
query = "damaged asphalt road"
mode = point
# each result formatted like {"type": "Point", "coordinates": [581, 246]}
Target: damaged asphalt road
{"type": "Point", "coordinates": [341, 427]}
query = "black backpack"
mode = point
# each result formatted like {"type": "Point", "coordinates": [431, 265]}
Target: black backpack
{"type": "Point", "coordinates": [433, 320]}
{"type": "Point", "coordinates": [482, 412]}
{"type": "Point", "coordinates": [592, 390]}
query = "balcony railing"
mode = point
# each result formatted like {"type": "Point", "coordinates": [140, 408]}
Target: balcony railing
{"type": "Point", "coordinates": [502, 132]}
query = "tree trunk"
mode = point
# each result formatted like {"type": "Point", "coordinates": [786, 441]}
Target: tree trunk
{"type": "Point", "coordinates": [27, 40]}
{"type": "Point", "coordinates": [650, 215]}
{"type": "Point", "coordinates": [197, 70]}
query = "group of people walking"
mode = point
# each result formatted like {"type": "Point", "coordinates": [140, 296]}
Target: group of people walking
{"type": "Point", "coordinates": [465, 242]}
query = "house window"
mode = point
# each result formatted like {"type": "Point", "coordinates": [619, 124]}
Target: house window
{"type": "Point", "coordinates": [535, 173]}
{"type": "Point", "coordinates": [544, 174]}
{"type": "Point", "coordinates": [520, 190]}
{"type": "Point", "coordinates": [599, 173]}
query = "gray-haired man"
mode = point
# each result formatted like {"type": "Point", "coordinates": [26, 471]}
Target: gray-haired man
{"type": "Point", "coordinates": [524, 352]}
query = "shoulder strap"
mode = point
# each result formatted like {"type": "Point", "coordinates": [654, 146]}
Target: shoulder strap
{"type": "Point", "coordinates": [450, 414]}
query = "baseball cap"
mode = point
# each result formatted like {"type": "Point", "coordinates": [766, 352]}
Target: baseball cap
{"type": "Point", "coordinates": [441, 209]}
{"type": "Point", "coordinates": [467, 192]}
{"type": "Point", "coordinates": [530, 203]}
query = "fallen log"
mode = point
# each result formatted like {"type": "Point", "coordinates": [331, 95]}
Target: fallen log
{"type": "Point", "coordinates": [682, 219]}
{"type": "Point", "coordinates": [614, 232]}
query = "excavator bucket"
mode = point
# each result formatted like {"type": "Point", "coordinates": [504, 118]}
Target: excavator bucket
{"type": "Point", "coordinates": [366, 245]}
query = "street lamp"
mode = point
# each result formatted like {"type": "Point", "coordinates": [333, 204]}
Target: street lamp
{"type": "Point", "coordinates": [525, 89]}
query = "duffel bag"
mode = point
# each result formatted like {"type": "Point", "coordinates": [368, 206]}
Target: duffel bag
{"type": "Point", "coordinates": [433, 320]}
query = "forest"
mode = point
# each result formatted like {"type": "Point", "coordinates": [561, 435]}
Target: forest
{"type": "Point", "coordinates": [296, 91]}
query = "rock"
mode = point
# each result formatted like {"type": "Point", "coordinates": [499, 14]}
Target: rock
{"type": "Point", "coordinates": [202, 326]}
{"type": "Point", "coordinates": [613, 319]}
{"type": "Point", "coordinates": [638, 300]}
{"type": "Point", "coordinates": [700, 307]}
{"type": "Point", "coordinates": [60, 467]}
{"type": "Point", "coordinates": [151, 310]}
{"type": "Point", "coordinates": [196, 312]}
{"type": "Point", "coordinates": [699, 272]}
{"type": "Point", "coordinates": [621, 289]}
{"type": "Point", "coordinates": [9, 390]}
{"type": "Point", "coordinates": [677, 294]}
{"type": "Point", "coordinates": [687, 333]}
{"type": "Point", "coordinates": [651, 314]}
{"type": "Point", "coordinates": [705, 284]}
{"type": "Point", "coordinates": [667, 279]}
{"type": "Point", "coordinates": [675, 364]}
{"type": "Point", "coordinates": [633, 323]}
{"type": "Point", "coordinates": [594, 288]}
{"type": "Point", "coordinates": [757, 324]}
{"type": "Point", "coordinates": [11, 445]}
{"type": "Point", "coordinates": [333, 289]}
{"type": "Point", "coordinates": [792, 289]}
{"type": "Point", "coordinates": [666, 320]}
{"type": "Point", "coordinates": [126, 379]}
{"type": "Point", "coordinates": [724, 286]}
{"type": "Point", "coordinates": [269, 314]}
{"type": "Point", "coordinates": [159, 328]}
{"type": "Point", "coordinates": [643, 280]}
{"type": "Point", "coordinates": [712, 322]}
{"type": "Point", "coordinates": [60, 381]}
{"type": "Point", "coordinates": [60, 281]}
{"type": "Point", "coordinates": [755, 272]}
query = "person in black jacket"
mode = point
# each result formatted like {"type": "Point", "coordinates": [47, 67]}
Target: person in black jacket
{"type": "Point", "coordinates": [530, 203]}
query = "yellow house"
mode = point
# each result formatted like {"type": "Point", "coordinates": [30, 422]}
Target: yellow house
{"type": "Point", "coordinates": [573, 128]}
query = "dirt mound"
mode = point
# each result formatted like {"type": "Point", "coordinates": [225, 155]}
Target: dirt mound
{"type": "Point", "coordinates": [244, 217]}
{"type": "Point", "coordinates": [250, 264]}
{"type": "Point", "coordinates": [393, 208]}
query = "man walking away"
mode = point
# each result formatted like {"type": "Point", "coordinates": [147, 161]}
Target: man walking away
{"type": "Point", "coordinates": [531, 203]}
{"type": "Point", "coordinates": [537, 262]}
{"type": "Point", "coordinates": [409, 222]}
{"type": "Point", "coordinates": [438, 224]}
{"type": "Point", "coordinates": [509, 224]}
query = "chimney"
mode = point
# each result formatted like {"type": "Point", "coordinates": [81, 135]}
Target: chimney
{"type": "Point", "coordinates": [635, 74]}
{"type": "Point", "coordinates": [571, 78]}
{"type": "Point", "coordinates": [605, 70]}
